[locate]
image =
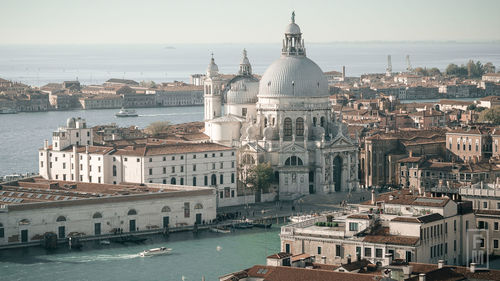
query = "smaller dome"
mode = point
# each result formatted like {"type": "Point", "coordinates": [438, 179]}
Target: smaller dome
{"type": "Point", "coordinates": [70, 123]}
{"type": "Point", "coordinates": [292, 28]}
{"type": "Point", "coordinates": [212, 68]}
{"type": "Point", "coordinates": [243, 90]}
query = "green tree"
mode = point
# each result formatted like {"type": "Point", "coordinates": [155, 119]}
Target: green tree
{"type": "Point", "coordinates": [260, 176]}
{"type": "Point", "coordinates": [157, 128]}
{"type": "Point", "coordinates": [472, 107]}
{"type": "Point", "coordinates": [434, 71]}
{"type": "Point", "coordinates": [489, 68]}
{"type": "Point", "coordinates": [421, 71]}
{"type": "Point", "coordinates": [491, 115]}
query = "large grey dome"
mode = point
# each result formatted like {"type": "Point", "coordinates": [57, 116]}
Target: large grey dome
{"type": "Point", "coordinates": [293, 76]}
{"type": "Point", "coordinates": [292, 28]}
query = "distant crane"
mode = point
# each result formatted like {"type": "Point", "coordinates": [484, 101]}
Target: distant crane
{"type": "Point", "coordinates": [388, 71]}
{"type": "Point", "coordinates": [408, 64]}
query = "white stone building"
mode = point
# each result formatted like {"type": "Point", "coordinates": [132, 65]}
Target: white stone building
{"type": "Point", "coordinates": [196, 164]}
{"type": "Point", "coordinates": [284, 119]}
{"type": "Point", "coordinates": [30, 208]}
{"type": "Point", "coordinates": [408, 227]}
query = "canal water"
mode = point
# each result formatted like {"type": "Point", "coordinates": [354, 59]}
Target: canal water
{"type": "Point", "coordinates": [22, 134]}
{"type": "Point", "coordinates": [194, 255]}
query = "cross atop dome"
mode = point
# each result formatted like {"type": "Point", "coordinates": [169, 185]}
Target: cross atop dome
{"type": "Point", "coordinates": [212, 69]}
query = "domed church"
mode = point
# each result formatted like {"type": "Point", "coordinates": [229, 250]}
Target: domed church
{"type": "Point", "coordinates": [285, 119]}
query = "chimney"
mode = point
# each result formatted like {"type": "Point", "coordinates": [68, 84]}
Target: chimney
{"type": "Point", "coordinates": [46, 144]}
{"type": "Point", "coordinates": [343, 73]}
{"type": "Point", "coordinates": [411, 153]}
{"type": "Point", "coordinates": [421, 277]}
{"type": "Point", "coordinates": [472, 267]}
{"type": "Point", "coordinates": [440, 263]}
{"type": "Point", "coordinates": [373, 197]}
{"type": "Point", "coordinates": [388, 256]}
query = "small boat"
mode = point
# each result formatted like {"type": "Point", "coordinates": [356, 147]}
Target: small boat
{"type": "Point", "coordinates": [104, 242]}
{"type": "Point", "coordinates": [263, 225]}
{"type": "Point", "coordinates": [155, 252]}
{"type": "Point", "coordinates": [243, 225]}
{"type": "Point", "coordinates": [8, 110]}
{"type": "Point", "coordinates": [220, 229]}
{"type": "Point", "coordinates": [126, 113]}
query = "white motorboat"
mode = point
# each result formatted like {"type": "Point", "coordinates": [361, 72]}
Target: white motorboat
{"type": "Point", "coordinates": [155, 252]}
{"type": "Point", "coordinates": [105, 242]}
{"type": "Point", "coordinates": [126, 113]}
{"type": "Point", "coordinates": [7, 110]}
{"type": "Point", "coordinates": [220, 229]}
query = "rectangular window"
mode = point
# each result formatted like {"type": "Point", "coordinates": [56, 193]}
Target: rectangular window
{"type": "Point", "coordinates": [194, 156]}
{"type": "Point", "coordinates": [368, 252]}
{"type": "Point", "coordinates": [206, 180]}
{"type": "Point", "coordinates": [287, 248]}
{"type": "Point", "coordinates": [150, 171]}
{"type": "Point", "coordinates": [232, 193]}
{"type": "Point", "coordinates": [173, 169]}
{"type": "Point", "coordinates": [213, 154]}
{"type": "Point", "coordinates": [232, 178]}
{"type": "Point", "coordinates": [138, 160]}
{"type": "Point", "coordinates": [337, 251]}
{"type": "Point", "coordinates": [173, 157]}
{"type": "Point", "coordinates": [353, 226]}
{"type": "Point", "coordinates": [194, 168]}
{"type": "Point", "coordinates": [221, 179]}
{"type": "Point", "coordinates": [446, 248]}
{"type": "Point", "coordinates": [186, 209]}
{"type": "Point", "coordinates": [378, 253]}
{"type": "Point", "coordinates": [495, 225]}
{"type": "Point", "coordinates": [455, 225]}
{"type": "Point", "coordinates": [164, 158]}
{"type": "Point", "coordinates": [232, 164]}
{"type": "Point", "coordinates": [222, 165]}
{"type": "Point", "coordinates": [319, 250]}
{"type": "Point", "coordinates": [455, 245]}
{"type": "Point", "coordinates": [182, 157]}
{"type": "Point", "coordinates": [485, 205]}
{"type": "Point", "coordinates": [150, 159]}
{"type": "Point", "coordinates": [182, 169]}
{"type": "Point", "coordinates": [164, 170]}
{"type": "Point", "coordinates": [495, 243]}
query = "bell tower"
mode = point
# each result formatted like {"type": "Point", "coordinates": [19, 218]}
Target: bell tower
{"type": "Point", "coordinates": [212, 91]}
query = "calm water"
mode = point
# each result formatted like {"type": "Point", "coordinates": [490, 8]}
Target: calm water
{"type": "Point", "coordinates": [22, 134]}
{"type": "Point", "coordinates": [192, 257]}
{"type": "Point", "coordinates": [38, 65]}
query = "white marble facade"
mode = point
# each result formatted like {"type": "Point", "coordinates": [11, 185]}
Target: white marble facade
{"type": "Point", "coordinates": [285, 119]}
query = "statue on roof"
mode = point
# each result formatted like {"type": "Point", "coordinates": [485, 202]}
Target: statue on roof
{"type": "Point", "coordinates": [293, 16]}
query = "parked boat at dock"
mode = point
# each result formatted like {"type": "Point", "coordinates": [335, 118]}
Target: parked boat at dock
{"type": "Point", "coordinates": [220, 229]}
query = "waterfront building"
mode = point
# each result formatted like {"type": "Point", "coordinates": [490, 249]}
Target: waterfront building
{"type": "Point", "coordinates": [33, 207]}
{"type": "Point", "coordinates": [101, 101]}
{"type": "Point", "coordinates": [406, 226]}
{"type": "Point", "coordinates": [179, 94]}
{"type": "Point", "coordinates": [73, 157]}
{"type": "Point", "coordinates": [491, 77]}
{"type": "Point", "coordinates": [489, 101]}
{"type": "Point", "coordinates": [284, 119]}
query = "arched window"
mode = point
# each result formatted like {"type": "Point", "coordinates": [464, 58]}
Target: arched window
{"type": "Point", "coordinates": [97, 215]}
{"type": "Point", "coordinates": [24, 222]}
{"type": "Point", "coordinates": [248, 159]}
{"type": "Point", "coordinates": [213, 180]}
{"type": "Point", "coordinates": [61, 218]}
{"type": "Point", "coordinates": [287, 127]}
{"type": "Point", "coordinates": [294, 161]}
{"type": "Point", "coordinates": [299, 126]}
{"type": "Point", "coordinates": [165, 209]}
{"type": "Point", "coordinates": [132, 212]}
{"type": "Point", "coordinates": [198, 206]}
{"type": "Point", "coordinates": [322, 120]}
{"type": "Point", "coordinates": [265, 122]}
{"type": "Point", "coordinates": [172, 181]}
{"type": "Point", "coordinates": [221, 181]}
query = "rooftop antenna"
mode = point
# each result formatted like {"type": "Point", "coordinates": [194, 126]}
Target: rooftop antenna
{"type": "Point", "coordinates": [388, 71]}
{"type": "Point", "coordinates": [408, 64]}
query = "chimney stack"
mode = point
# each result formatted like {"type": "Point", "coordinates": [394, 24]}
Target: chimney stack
{"type": "Point", "coordinates": [343, 73]}
{"type": "Point", "coordinates": [440, 263]}
{"type": "Point", "coordinates": [472, 267]}
{"type": "Point", "coordinates": [421, 277]}
{"type": "Point", "coordinates": [46, 144]}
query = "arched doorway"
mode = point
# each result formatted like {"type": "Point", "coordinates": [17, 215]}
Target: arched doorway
{"type": "Point", "coordinates": [337, 172]}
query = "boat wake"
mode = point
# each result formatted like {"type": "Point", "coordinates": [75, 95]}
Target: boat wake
{"type": "Point", "coordinates": [85, 258]}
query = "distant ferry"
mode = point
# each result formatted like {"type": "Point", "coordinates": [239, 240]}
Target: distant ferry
{"type": "Point", "coordinates": [6, 110]}
{"type": "Point", "coordinates": [126, 113]}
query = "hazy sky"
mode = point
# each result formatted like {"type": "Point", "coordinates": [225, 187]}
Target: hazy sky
{"type": "Point", "coordinates": [234, 21]}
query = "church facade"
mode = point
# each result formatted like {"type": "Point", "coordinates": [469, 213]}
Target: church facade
{"type": "Point", "coordinates": [284, 119]}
